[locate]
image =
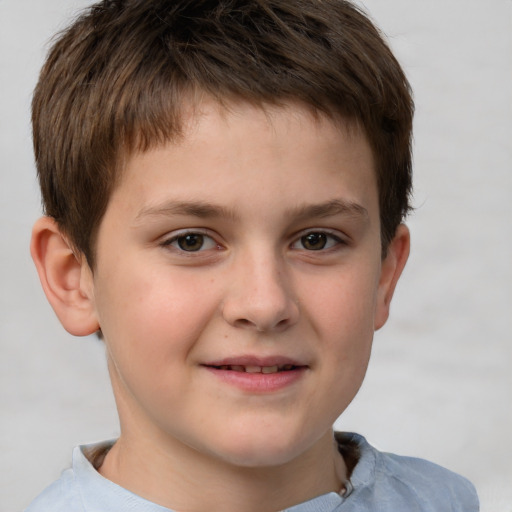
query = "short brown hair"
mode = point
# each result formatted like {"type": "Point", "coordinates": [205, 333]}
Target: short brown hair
{"type": "Point", "coordinates": [117, 79]}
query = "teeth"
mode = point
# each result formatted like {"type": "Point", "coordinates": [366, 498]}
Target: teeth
{"type": "Point", "coordinates": [262, 369]}
{"type": "Point", "coordinates": [256, 369]}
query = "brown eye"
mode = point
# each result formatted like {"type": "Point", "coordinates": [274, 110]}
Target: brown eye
{"type": "Point", "coordinates": [314, 241]}
{"type": "Point", "coordinates": [190, 242]}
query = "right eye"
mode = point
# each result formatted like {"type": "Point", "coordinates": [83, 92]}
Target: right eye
{"type": "Point", "coordinates": [191, 242]}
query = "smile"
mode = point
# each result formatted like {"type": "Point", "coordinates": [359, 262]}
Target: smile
{"type": "Point", "coordinates": [258, 375]}
{"type": "Point", "coordinates": [256, 369]}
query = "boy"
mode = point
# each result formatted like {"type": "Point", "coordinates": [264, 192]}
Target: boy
{"type": "Point", "coordinates": [224, 186]}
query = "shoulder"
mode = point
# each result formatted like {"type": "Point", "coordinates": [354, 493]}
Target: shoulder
{"type": "Point", "coordinates": [72, 491]}
{"type": "Point", "coordinates": [426, 482]}
{"type": "Point", "coordinates": [61, 496]}
{"type": "Point", "coordinates": [83, 489]}
{"type": "Point", "coordinates": [409, 482]}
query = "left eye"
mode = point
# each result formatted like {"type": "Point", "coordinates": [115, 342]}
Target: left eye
{"type": "Point", "coordinates": [191, 242]}
{"type": "Point", "coordinates": [316, 241]}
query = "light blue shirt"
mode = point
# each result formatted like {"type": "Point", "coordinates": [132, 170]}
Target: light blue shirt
{"type": "Point", "coordinates": [381, 482]}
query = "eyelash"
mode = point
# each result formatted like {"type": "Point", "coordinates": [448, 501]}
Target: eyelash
{"type": "Point", "coordinates": [329, 241]}
{"type": "Point", "coordinates": [174, 242]}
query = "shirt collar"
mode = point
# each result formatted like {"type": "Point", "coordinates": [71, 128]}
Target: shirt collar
{"type": "Point", "coordinates": [99, 493]}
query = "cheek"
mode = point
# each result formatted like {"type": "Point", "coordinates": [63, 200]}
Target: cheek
{"type": "Point", "coordinates": [343, 306]}
{"type": "Point", "coordinates": [344, 317]}
{"type": "Point", "coordinates": [152, 320]}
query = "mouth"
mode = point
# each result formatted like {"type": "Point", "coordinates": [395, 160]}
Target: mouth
{"type": "Point", "coordinates": [255, 368]}
{"type": "Point", "coordinates": [258, 375]}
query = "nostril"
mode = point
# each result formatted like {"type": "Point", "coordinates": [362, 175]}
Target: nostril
{"type": "Point", "coordinates": [243, 322]}
{"type": "Point", "coordinates": [283, 324]}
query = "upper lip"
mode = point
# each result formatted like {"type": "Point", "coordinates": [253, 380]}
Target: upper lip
{"type": "Point", "coordinates": [251, 360]}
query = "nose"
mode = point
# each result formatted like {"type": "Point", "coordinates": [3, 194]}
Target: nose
{"type": "Point", "coordinates": [260, 296]}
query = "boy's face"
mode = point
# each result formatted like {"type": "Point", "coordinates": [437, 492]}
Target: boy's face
{"type": "Point", "coordinates": [239, 281]}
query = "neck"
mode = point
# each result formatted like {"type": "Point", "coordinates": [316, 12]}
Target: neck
{"type": "Point", "coordinates": [176, 476]}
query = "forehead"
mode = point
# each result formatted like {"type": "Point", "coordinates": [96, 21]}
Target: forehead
{"type": "Point", "coordinates": [199, 110]}
{"type": "Point", "coordinates": [288, 146]}
{"type": "Point", "coordinates": [282, 116]}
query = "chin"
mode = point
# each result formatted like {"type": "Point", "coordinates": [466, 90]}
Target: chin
{"type": "Point", "coordinates": [265, 448]}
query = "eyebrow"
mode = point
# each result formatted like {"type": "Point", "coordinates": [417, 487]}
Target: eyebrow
{"type": "Point", "coordinates": [204, 210]}
{"type": "Point", "coordinates": [330, 209]}
{"type": "Point", "coordinates": [198, 209]}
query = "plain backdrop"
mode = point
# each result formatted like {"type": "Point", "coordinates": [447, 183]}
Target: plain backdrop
{"type": "Point", "coordinates": [440, 380]}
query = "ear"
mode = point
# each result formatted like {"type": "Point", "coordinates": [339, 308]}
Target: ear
{"type": "Point", "coordinates": [66, 278]}
{"type": "Point", "coordinates": [391, 269]}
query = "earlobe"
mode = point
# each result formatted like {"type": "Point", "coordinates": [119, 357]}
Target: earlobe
{"type": "Point", "coordinates": [391, 270]}
{"type": "Point", "coordinates": [66, 280]}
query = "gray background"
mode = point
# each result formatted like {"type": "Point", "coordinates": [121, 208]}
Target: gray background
{"type": "Point", "coordinates": [440, 380]}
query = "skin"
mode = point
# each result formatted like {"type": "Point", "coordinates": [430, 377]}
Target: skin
{"type": "Point", "coordinates": [258, 193]}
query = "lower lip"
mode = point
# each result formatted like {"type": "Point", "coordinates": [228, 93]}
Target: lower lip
{"type": "Point", "coordinates": [259, 382]}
